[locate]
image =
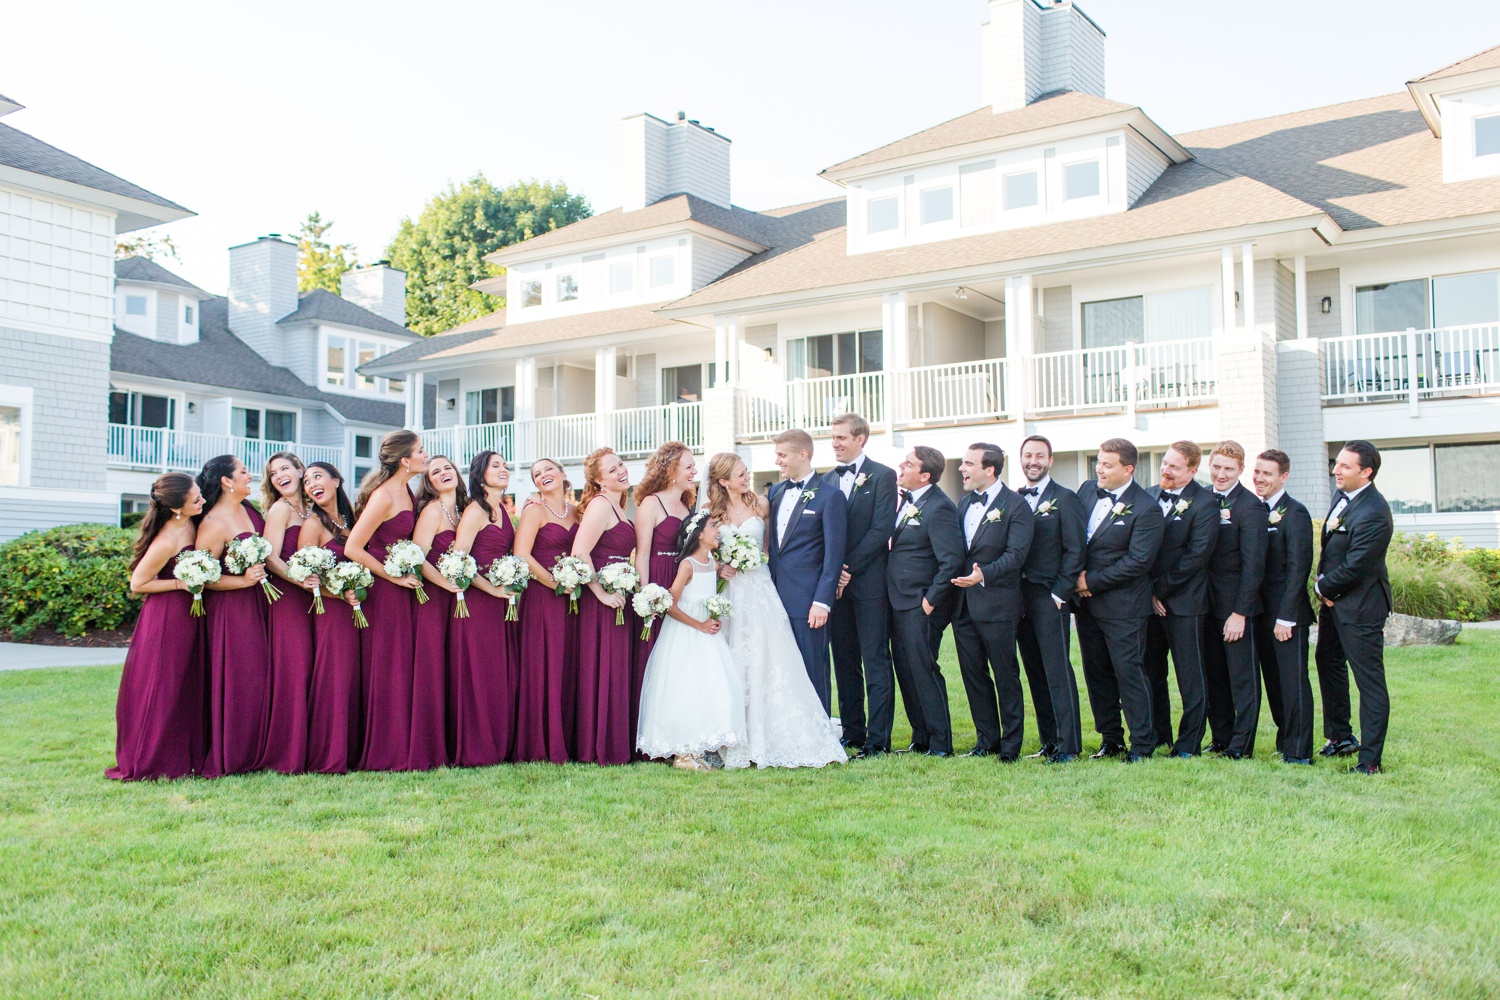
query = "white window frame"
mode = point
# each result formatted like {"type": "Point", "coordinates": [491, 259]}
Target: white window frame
{"type": "Point", "coordinates": [540, 293]}
{"type": "Point", "coordinates": [1098, 164]}
{"type": "Point", "coordinates": [21, 397]}
{"type": "Point", "coordinates": [143, 299]}
{"type": "Point", "coordinates": [870, 203]}
{"type": "Point", "coordinates": [952, 204]}
{"type": "Point", "coordinates": [670, 260]}
{"type": "Point", "coordinates": [571, 276]}
{"type": "Point", "coordinates": [1006, 207]}
{"type": "Point", "coordinates": [343, 382]}
{"type": "Point", "coordinates": [1475, 135]}
{"type": "Point", "coordinates": [295, 412]}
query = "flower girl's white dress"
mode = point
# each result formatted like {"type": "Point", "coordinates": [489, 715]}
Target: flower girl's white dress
{"type": "Point", "coordinates": [692, 697]}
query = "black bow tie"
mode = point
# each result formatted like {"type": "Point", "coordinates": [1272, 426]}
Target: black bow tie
{"type": "Point", "coordinates": [1340, 496]}
{"type": "Point", "coordinates": [1104, 494]}
{"type": "Point", "coordinates": [1169, 495]}
{"type": "Point", "coordinates": [906, 496]}
{"type": "Point", "coordinates": [977, 496]}
{"type": "Point", "coordinates": [1029, 491]}
{"type": "Point", "coordinates": [841, 469]}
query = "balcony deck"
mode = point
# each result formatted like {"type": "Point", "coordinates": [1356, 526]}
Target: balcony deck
{"type": "Point", "coordinates": [1413, 364]}
{"type": "Point", "coordinates": [162, 449]}
{"type": "Point", "coordinates": [633, 433]}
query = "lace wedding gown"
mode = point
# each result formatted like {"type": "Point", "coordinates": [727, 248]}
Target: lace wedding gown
{"type": "Point", "coordinates": [784, 720]}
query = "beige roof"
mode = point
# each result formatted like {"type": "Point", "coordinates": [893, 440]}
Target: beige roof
{"type": "Point", "coordinates": [1061, 108]}
{"type": "Point", "coordinates": [672, 210]}
{"type": "Point", "coordinates": [1488, 59]}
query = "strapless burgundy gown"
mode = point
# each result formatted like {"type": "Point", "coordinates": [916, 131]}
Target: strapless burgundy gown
{"type": "Point", "coordinates": [159, 711]}
{"type": "Point", "coordinates": [429, 697]}
{"type": "Point", "coordinates": [238, 660]}
{"type": "Point", "coordinates": [548, 667]}
{"type": "Point", "coordinates": [386, 654]}
{"type": "Point", "coordinates": [334, 712]}
{"type": "Point", "coordinates": [663, 573]}
{"type": "Point", "coordinates": [605, 730]}
{"type": "Point", "coordinates": [291, 624]}
{"type": "Point", "coordinates": [481, 666]}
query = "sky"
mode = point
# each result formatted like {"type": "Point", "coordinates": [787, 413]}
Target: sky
{"type": "Point", "coordinates": [255, 115]}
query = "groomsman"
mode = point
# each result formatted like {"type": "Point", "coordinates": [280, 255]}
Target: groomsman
{"type": "Point", "coordinates": [927, 552]}
{"type": "Point", "coordinates": [997, 525]}
{"type": "Point", "coordinates": [1235, 571]}
{"type": "Point", "coordinates": [1356, 595]}
{"type": "Point", "coordinates": [859, 627]}
{"type": "Point", "coordinates": [1123, 533]}
{"type": "Point", "coordinates": [1281, 631]}
{"type": "Point", "coordinates": [1179, 597]}
{"type": "Point", "coordinates": [1047, 582]}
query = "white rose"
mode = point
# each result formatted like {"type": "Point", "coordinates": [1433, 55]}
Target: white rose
{"type": "Point", "coordinates": [1224, 513]}
{"type": "Point", "coordinates": [1182, 505]}
{"type": "Point", "coordinates": [1275, 517]}
{"type": "Point", "coordinates": [992, 516]}
{"type": "Point", "coordinates": [1118, 508]}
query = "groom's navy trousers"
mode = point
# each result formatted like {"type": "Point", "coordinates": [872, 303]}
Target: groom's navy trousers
{"type": "Point", "coordinates": [805, 565]}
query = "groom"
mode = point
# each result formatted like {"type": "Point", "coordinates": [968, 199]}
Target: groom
{"type": "Point", "coordinates": [807, 551]}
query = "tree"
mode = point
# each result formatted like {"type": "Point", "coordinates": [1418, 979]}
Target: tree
{"type": "Point", "coordinates": [149, 247]}
{"type": "Point", "coordinates": [443, 250]}
{"type": "Point", "coordinates": [321, 264]}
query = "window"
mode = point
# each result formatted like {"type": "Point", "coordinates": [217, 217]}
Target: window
{"type": "Point", "coordinates": [364, 446]}
{"type": "Point", "coordinates": [1391, 307]}
{"type": "Point", "coordinates": [281, 425]}
{"type": "Point", "coordinates": [244, 423]}
{"type": "Point", "coordinates": [10, 446]}
{"type": "Point", "coordinates": [187, 314]}
{"type": "Point", "coordinates": [1468, 477]}
{"type": "Point", "coordinates": [1466, 299]}
{"type": "Point", "coordinates": [1114, 322]}
{"type": "Point", "coordinates": [976, 194]}
{"type": "Point", "coordinates": [1406, 479]}
{"type": "Point", "coordinates": [621, 279]}
{"type": "Point", "coordinates": [937, 205]}
{"type": "Point", "coordinates": [567, 287]}
{"type": "Point", "coordinates": [1180, 315]}
{"type": "Point", "coordinates": [1081, 180]}
{"type": "Point", "coordinates": [684, 384]}
{"type": "Point", "coordinates": [482, 406]}
{"type": "Point", "coordinates": [531, 294]}
{"type": "Point", "coordinates": [1487, 135]}
{"type": "Point", "coordinates": [135, 305]}
{"type": "Point", "coordinates": [883, 215]}
{"type": "Point", "coordinates": [836, 354]}
{"type": "Point", "coordinates": [663, 271]}
{"type": "Point", "coordinates": [138, 409]}
{"type": "Point", "coordinates": [365, 356]}
{"type": "Point", "coordinates": [268, 425]}
{"type": "Point", "coordinates": [396, 386]}
{"type": "Point", "coordinates": [335, 365]}
{"type": "Point", "coordinates": [364, 450]}
{"type": "Point", "coordinates": [1020, 191]}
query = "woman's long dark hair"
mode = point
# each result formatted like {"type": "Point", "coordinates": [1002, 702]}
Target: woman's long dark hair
{"type": "Point", "coordinates": [427, 493]}
{"type": "Point", "coordinates": [169, 492]}
{"type": "Point", "coordinates": [477, 469]}
{"type": "Point", "coordinates": [345, 508]}
{"type": "Point", "coordinates": [210, 481]}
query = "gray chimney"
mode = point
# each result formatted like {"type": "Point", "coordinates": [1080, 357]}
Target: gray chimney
{"type": "Point", "coordinates": [379, 288]}
{"type": "Point", "coordinates": [1031, 49]}
{"type": "Point", "coordinates": [262, 289]}
{"type": "Point", "coordinates": [679, 157]}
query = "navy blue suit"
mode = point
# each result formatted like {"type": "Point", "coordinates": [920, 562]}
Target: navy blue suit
{"type": "Point", "coordinates": [805, 566]}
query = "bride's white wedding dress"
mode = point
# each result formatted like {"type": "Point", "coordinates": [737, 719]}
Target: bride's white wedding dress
{"type": "Point", "coordinates": [785, 723]}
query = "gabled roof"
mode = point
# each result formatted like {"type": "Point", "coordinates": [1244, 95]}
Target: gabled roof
{"type": "Point", "coordinates": [7, 105]}
{"type": "Point", "coordinates": [141, 269]}
{"type": "Point", "coordinates": [1477, 70]}
{"type": "Point", "coordinates": [321, 304]}
{"type": "Point", "coordinates": [222, 360]}
{"type": "Point", "coordinates": [1488, 59]}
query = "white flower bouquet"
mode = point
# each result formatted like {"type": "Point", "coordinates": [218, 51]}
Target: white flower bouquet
{"type": "Point", "coordinates": [571, 575]}
{"type": "Point", "coordinates": [196, 569]}
{"type": "Point", "coordinates": [313, 561]}
{"type": "Point", "coordinates": [619, 577]}
{"type": "Point", "coordinates": [459, 569]}
{"type": "Point", "coordinates": [350, 577]}
{"type": "Point", "coordinates": [650, 602]}
{"type": "Point", "coordinates": [405, 558]}
{"type": "Point", "coordinates": [251, 550]}
{"type": "Point", "coordinates": [739, 550]}
{"type": "Point", "coordinates": [513, 574]}
{"type": "Point", "coordinates": [718, 607]}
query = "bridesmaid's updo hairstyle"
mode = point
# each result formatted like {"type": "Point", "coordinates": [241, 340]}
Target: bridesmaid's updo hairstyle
{"type": "Point", "coordinates": [211, 480]}
{"type": "Point", "coordinates": [426, 492]}
{"type": "Point", "coordinates": [269, 494]}
{"type": "Point", "coordinates": [393, 448]}
{"type": "Point", "coordinates": [591, 487]}
{"type": "Point", "coordinates": [169, 492]}
{"type": "Point", "coordinates": [345, 508]}
{"type": "Point", "coordinates": [660, 468]}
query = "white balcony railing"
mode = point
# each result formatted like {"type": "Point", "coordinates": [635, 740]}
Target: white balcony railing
{"type": "Point", "coordinates": [633, 433]}
{"type": "Point", "coordinates": [969, 392]}
{"type": "Point", "coordinates": [810, 403]}
{"type": "Point", "coordinates": [1169, 373]}
{"type": "Point", "coordinates": [162, 449]}
{"type": "Point", "coordinates": [1455, 360]}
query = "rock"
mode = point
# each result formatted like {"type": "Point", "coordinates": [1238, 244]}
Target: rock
{"type": "Point", "coordinates": [1406, 630]}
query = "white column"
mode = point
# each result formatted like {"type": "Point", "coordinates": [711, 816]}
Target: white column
{"type": "Point", "coordinates": [896, 332]}
{"type": "Point", "coordinates": [1299, 286]}
{"type": "Point", "coordinates": [1247, 269]}
{"type": "Point", "coordinates": [721, 348]}
{"type": "Point", "coordinates": [1226, 264]}
{"type": "Point", "coordinates": [604, 396]}
{"type": "Point", "coordinates": [526, 388]}
{"type": "Point", "coordinates": [1019, 344]}
{"type": "Point", "coordinates": [415, 396]}
{"type": "Point", "coordinates": [734, 348]}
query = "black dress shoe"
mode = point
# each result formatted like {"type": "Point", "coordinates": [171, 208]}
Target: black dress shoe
{"type": "Point", "coordinates": [1009, 758]}
{"type": "Point", "coordinates": [1339, 748]}
{"type": "Point", "coordinates": [1182, 754]}
{"type": "Point", "coordinates": [1136, 758]}
{"type": "Point", "coordinates": [1297, 760]}
{"type": "Point", "coordinates": [940, 753]}
{"type": "Point", "coordinates": [978, 752]}
{"type": "Point", "coordinates": [847, 743]}
{"type": "Point", "coordinates": [1234, 755]}
{"type": "Point", "coordinates": [1046, 751]}
{"type": "Point", "coordinates": [1365, 769]}
{"type": "Point", "coordinates": [1108, 750]}
{"type": "Point", "coordinates": [865, 753]}
{"type": "Point", "coordinates": [914, 748]}
{"type": "Point", "coordinates": [1062, 758]}
{"type": "Point", "coordinates": [1216, 748]}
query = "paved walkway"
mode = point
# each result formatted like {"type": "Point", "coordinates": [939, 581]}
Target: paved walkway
{"type": "Point", "coordinates": [26, 656]}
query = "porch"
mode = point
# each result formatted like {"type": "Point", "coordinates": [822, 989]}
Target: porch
{"type": "Point", "coordinates": [1412, 365]}
{"type": "Point", "coordinates": [164, 449]}
{"type": "Point", "coordinates": [633, 433]}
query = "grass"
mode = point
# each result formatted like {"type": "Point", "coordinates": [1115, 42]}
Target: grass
{"type": "Point", "coordinates": [894, 878]}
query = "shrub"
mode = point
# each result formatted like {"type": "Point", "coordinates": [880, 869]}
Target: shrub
{"type": "Point", "coordinates": [74, 579]}
{"type": "Point", "coordinates": [1431, 577]}
{"type": "Point", "coordinates": [132, 519]}
{"type": "Point", "coordinates": [1486, 562]}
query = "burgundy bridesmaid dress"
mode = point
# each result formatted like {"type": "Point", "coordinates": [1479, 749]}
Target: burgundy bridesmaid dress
{"type": "Point", "coordinates": [663, 573]}
{"type": "Point", "coordinates": [159, 712]}
{"type": "Point", "coordinates": [334, 713]}
{"type": "Point", "coordinates": [291, 670]}
{"type": "Point", "coordinates": [481, 666]}
{"type": "Point", "coordinates": [238, 658]}
{"type": "Point", "coordinates": [604, 720]}
{"type": "Point", "coordinates": [386, 657]}
{"type": "Point", "coordinates": [429, 742]}
{"type": "Point", "coordinates": [544, 709]}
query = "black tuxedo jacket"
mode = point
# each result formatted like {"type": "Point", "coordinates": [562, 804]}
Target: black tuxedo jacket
{"type": "Point", "coordinates": [1000, 546]}
{"type": "Point", "coordinates": [1119, 557]}
{"type": "Point", "coordinates": [1283, 592]}
{"type": "Point", "coordinates": [927, 552]}
{"type": "Point", "coordinates": [1057, 557]}
{"type": "Point", "coordinates": [1351, 570]}
{"type": "Point", "coordinates": [867, 533]}
{"type": "Point", "coordinates": [1238, 563]}
{"type": "Point", "coordinates": [1178, 579]}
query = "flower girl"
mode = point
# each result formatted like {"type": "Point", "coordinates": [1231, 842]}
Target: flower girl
{"type": "Point", "coordinates": [693, 694]}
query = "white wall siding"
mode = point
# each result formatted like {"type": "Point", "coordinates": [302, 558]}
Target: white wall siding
{"type": "Point", "coordinates": [56, 266]}
{"type": "Point", "coordinates": [262, 290]}
{"type": "Point", "coordinates": [168, 307]}
{"type": "Point", "coordinates": [69, 379]}
{"type": "Point", "coordinates": [24, 510]}
{"type": "Point", "coordinates": [1299, 401]}
{"type": "Point", "coordinates": [1056, 332]}
{"type": "Point", "coordinates": [1144, 163]}
{"type": "Point", "coordinates": [299, 347]}
{"type": "Point", "coordinates": [711, 259]}
{"type": "Point", "coordinates": [1284, 306]}
{"type": "Point", "coordinates": [1320, 285]}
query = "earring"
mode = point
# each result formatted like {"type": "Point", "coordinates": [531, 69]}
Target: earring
{"type": "Point", "coordinates": [177, 516]}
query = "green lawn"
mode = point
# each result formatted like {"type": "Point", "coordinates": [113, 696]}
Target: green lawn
{"type": "Point", "coordinates": [897, 878]}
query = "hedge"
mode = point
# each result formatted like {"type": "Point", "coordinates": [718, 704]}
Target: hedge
{"type": "Point", "coordinates": [74, 579]}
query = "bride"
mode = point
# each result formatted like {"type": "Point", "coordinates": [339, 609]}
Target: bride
{"type": "Point", "coordinates": [784, 720]}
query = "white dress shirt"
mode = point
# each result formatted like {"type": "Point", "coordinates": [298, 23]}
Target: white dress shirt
{"type": "Point", "coordinates": [1271, 505]}
{"type": "Point", "coordinates": [1101, 510]}
{"type": "Point", "coordinates": [1040, 487]}
{"type": "Point", "coordinates": [790, 497]}
{"type": "Point", "coordinates": [846, 480]}
{"type": "Point", "coordinates": [1346, 500]}
{"type": "Point", "coordinates": [916, 494]}
{"type": "Point", "coordinates": [1167, 503]}
{"type": "Point", "coordinates": [974, 515]}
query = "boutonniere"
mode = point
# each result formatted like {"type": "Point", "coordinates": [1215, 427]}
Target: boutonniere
{"type": "Point", "coordinates": [860, 480]}
{"type": "Point", "coordinates": [1333, 525]}
{"type": "Point", "coordinates": [1276, 515]}
{"type": "Point", "coordinates": [1225, 509]}
{"type": "Point", "coordinates": [807, 495]}
{"type": "Point", "coordinates": [1181, 507]}
{"type": "Point", "coordinates": [993, 516]}
{"type": "Point", "coordinates": [1120, 509]}
{"type": "Point", "coordinates": [911, 514]}
{"type": "Point", "coordinates": [1045, 507]}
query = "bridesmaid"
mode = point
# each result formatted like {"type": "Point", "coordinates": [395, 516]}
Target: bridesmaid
{"type": "Point", "coordinates": [440, 503]}
{"type": "Point", "coordinates": [237, 652]}
{"type": "Point", "coordinates": [481, 648]}
{"type": "Point", "coordinates": [159, 712]}
{"type": "Point", "coordinates": [605, 723]}
{"type": "Point", "coordinates": [662, 502]}
{"type": "Point", "coordinates": [383, 516]}
{"type": "Point", "coordinates": [286, 509]}
{"type": "Point", "coordinates": [334, 713]}
{"type": "Point", "coordinates": [544, 709]}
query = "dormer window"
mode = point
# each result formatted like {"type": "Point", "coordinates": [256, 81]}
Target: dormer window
{"type": "Point", "coordinates": [135, 305]}
{"type": "Point", "coordinates": [187, 314]}
{"type": "Point", "coordinates": [1487, 136]}
{"type": "Point", "coordinates": [937, 205]}
{"type": "Point", "coordinates": [621, 279]}
{"type": "Point", "coordinates": [531, 294]}
{"type": "Point", "coordinates": [663, 271]}
{"type": "Point", "coordinates": [567, 287]}
{"type": "Point", "coordinates": [1021, 191]}
{"type": "Point", "coordinates": [1081, 180]}
{"type": "Point", "coordinates": [883, 215]}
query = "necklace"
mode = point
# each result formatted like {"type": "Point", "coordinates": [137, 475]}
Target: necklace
{"type": "Point", "coordinates": [561, 517]}
{"type": "Point", "coordinates": [303, 514]}
{"type": "Point", "coordinates": [451, 515]}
